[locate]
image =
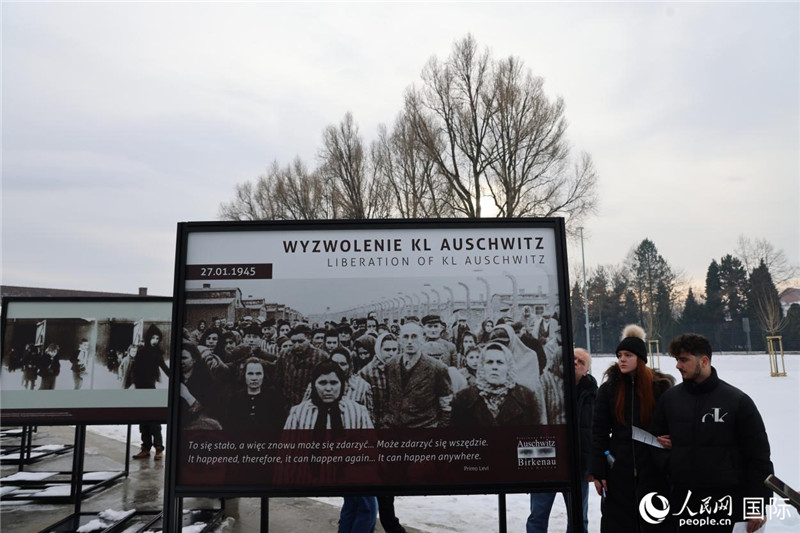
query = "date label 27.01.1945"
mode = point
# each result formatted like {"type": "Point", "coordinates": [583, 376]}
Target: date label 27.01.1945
{"type": "Point", "coordinates": [240, 271]}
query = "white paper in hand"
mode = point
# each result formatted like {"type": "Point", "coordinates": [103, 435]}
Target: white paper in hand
{"type": "Point", "coordinates": [645, 437]}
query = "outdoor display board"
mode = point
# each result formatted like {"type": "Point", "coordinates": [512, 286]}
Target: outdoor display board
{"type": "Point", "coordinates": [341, 358]}
{"type": "Point", "coordinates": [84, 360]}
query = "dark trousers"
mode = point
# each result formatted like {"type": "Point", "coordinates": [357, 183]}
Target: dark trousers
{"type": "Point", "coordinates": [389, 521]}
{"type": "Point", "coordinates": [151, 434]}
{"type": "Point", "coordinates": [358, 514]}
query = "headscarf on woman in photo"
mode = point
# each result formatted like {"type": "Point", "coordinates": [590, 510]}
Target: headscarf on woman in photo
{"type": "Point", "coordinates": [496, 399]}
{"type": "Point", "coordinates": [363, 352]}
{"type": "Point", "coordinates": [526, 361]}
{"type": "Point", "coordinates": [485, 331]}
{"type": "Point", "coordinates": [472, 359]}
{"type": "Point", "coordinates": [375, 375]}
{"type": "Point", "coordinates": [381, 356]}
{"type": "Point", "coordinates": [494, 394]}
{"type": "Point", "coordinates": [467, 341]}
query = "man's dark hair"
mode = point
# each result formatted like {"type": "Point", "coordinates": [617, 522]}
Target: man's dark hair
{"type": "Point", "coordinates": [252, 330]}
{"type": "Point", "coordinates": [692, 343]}
{"type": "Point", "coordinates": [300, 329]}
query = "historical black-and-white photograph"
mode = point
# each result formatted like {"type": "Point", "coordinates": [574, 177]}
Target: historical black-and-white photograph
{"type": "Point", "coordinates": [408, 352]}
{"type": "Point", "coordinates": [91, 349]}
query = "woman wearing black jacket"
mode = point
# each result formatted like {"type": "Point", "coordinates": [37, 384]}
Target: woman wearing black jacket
{"type": "Point", "coordinates": [627, 398]}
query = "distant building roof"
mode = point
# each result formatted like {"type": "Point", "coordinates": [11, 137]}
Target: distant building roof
{"type": "Point", "coordinates": [214, 289]}
{"type": "Point", "coordinates": [790, 296]}
{"type": "Point", "coordinates": [11, 290]}
{"type": "Point", "coordinates": [211, 301]}
{"type": "Point", "coordinates": [8, 291]}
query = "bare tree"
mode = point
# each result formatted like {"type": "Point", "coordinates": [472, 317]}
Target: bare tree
{"type": "Point", "coordinates": [357, 190]}
{"type": "Point", "coordinates": [302, 195]}
{"type": "Point", "coordinates": [490, 129]}
{"type": "Point", "coordinates": [528, 132]}
{"type": "Point", "coordinates": [764, 301]}
{"type": "Point", "coordinates": [253, 201]}
{"type": "Point", "coordinates": [290, 193]}
{"type": "Point", "coordinates": [751, 252]}
{"type": "Point", "coordinates": [768, 312]}
{"type": "Point", "coordinates": [450, 117]}
{"type": "Point", "coordinates": [475, 127]}
{"type": "Point", "coordinates": [418, 191]}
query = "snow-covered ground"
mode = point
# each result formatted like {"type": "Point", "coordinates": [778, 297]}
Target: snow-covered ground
{"type": "Point", "coordinates": [778, 399]}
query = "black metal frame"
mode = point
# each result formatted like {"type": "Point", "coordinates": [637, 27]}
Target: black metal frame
{"type": "Point", "coordinates": [25, 450]}
{"type": "Point", "coordinates": [75, 481]}
{"type": "Point", "coordinates": [74, 521]}
{"type": "Point", "coordinates": [175, 494]}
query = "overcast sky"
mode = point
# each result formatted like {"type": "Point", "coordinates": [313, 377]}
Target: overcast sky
{"type": "Point", "coordinates": [121, 120]}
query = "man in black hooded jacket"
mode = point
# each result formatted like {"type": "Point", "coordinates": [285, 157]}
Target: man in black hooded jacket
{"type": "Point", "coordinates": [718, 442]}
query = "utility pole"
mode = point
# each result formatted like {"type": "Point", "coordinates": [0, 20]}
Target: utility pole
{"type": "Point", "coordinates": [585, 296]}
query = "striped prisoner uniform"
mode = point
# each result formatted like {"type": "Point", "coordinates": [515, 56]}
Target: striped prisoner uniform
{"type": "Point", "coordinates": [375, 375]}
{"type": "Point", "coordinates": [304, 415]}
{"type": "Point", "coordinates": [293, 372]}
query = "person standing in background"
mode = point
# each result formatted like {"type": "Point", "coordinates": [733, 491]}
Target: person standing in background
{"type": "Point", "coordinates": [718, 444]}
{"type": "Point", "coordinates": [627, 398]}
{"type": "Point", "coordinates": [80, 360]}
{"type": "Point", "coordinates": [585, 394]}
{"type": "Point", "coordinates": [49, 367]}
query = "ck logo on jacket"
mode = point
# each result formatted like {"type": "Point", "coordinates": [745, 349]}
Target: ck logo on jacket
{"type": "Point", "coordinates": [715, 416]}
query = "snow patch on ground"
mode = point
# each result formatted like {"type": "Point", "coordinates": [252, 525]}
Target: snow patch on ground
{"type": "Point", "coordinates": [28, 476]}
{"type": "Point", "coordinates": [114, 516]}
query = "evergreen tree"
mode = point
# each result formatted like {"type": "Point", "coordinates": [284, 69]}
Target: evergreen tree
{"type": "Point", "coordinates": [733, 293]}
{"type": "Point", "coordinates": [791, 334]}
{"type": "Point", "coordinates": [733, 287]}
{"type": "Point", "coordinates": [664, 315]}
{"type": "Point", "coordinates": [597, 289]}
{"type": "Point", "coordinates": [693, 312]}
{"type": "Point", "coordinates": [654, 283]}
{"type": "Point", "coordinates": [623, 307]}
{"type": "Point", "coordinates": [578, 316]}
{"type": "Point", "coordinates": [714, 314]}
